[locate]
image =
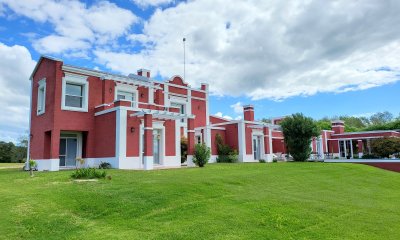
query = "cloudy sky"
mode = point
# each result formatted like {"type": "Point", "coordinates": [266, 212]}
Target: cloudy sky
{"type": "Point", "coordinates": [321, 58]}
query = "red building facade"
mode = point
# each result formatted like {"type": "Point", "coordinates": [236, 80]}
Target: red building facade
{"type": "Point", "coordinates": [136, 122]}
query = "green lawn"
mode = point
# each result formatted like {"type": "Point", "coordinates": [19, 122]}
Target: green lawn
{"type": "Point", "coordinates": [11, 165]}
{"type": "Point", "coordinates": [220, 201]}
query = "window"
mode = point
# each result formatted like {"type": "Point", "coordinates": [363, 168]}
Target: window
{"type": "Point", "coordinates": [75, 93]}
{"type": "Point", "coordinates": [126, 96]}
{"type": "Point", "coordinates": [126, 92]}
{"type": "Point", "coordinates": [41, 100]}
{"type": "Point", "coordinates": [181, 108]}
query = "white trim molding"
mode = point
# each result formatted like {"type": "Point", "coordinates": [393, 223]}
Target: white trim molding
{"type": "Point", "coordinates": [48, 164]}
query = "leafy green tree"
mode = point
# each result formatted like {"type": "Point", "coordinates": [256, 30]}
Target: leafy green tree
{"type": "Point", "coordinates": [383, 147]}
{"type": "Point", "coordinates": [298, 131]}
{"type": "Point", "coordinates": [381, 118]}
{"type": "Point", "coordinates": [323, 124]}
{"type": "Point", "coordinates": [7, 152]}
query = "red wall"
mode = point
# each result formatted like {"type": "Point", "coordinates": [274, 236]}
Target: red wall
{"type": "Point", "coordinates": [104, 139]}
{"type": "Point", "coordinates": [170, 138]}
{"type": "Point", "coordinates": [231, 130]}
{"type": "Point", "coordinates": [132, 139]}
{"type": "Point", "coordinates": [214, 132]}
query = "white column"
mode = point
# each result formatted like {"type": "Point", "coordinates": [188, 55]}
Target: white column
{"type": "Point", "coordinates": [151, 95]}
{"type": "Point", "coordinates": [351, 148]}
{"type": "Point", "coordinates": [178, 139]}
{"type": "Point", "coordinates": [242, 141]}
{"type": "Point", "coordinates": [120, 136]}
{"type": "Point", "coordinates": [166, 93]}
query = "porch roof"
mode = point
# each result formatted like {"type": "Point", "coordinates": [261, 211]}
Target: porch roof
{"type": "Point", "coordinates": [161, 114]}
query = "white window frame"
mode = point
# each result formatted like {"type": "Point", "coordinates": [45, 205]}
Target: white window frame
{"type": "Point", "coordinates": [41, 99]}
{"type": "Point", "coordinates": [79, 80]}
{"type": "Point", "coordinates": [130, 89]}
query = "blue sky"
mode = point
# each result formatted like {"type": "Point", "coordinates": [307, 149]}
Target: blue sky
{"type": "Point", "coordinates": [284, 57]}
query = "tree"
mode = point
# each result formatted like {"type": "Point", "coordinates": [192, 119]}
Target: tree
{"type": "Point", "coordinates": [383, 147]}
{"type": "Point", "coordinates": [381, 118]}
{"type": "Point", "coordinates": [201, 155]}
{"type": "Point", "coordinates": [184, 148]}
{"type": "Point", "coordinates": [7, 152]}
{"type": "Point", "coordinates": [298, 131]}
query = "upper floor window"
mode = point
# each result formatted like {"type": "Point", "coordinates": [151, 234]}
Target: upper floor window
{"type": "Point", "coordinates": [181, 108]}
{"type": "Point", "coordinates": [41, 99]}
{"type": "Point", "coordinates": [75, 93]}
{"type": "Point", "coordinates": [128, 93]}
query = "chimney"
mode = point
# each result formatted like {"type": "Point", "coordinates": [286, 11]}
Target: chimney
{"type": "Point", "coordinates": [337, 126]}
{"type": "Point", "coordinates": [144, 72]}
{"type": "Point", "coordinates": [248, 111]}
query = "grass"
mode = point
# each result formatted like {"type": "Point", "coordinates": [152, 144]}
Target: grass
{"type": "Point", "coordinates": [11, 165]}
{"type": "Point", "coordinates": [220, 201]}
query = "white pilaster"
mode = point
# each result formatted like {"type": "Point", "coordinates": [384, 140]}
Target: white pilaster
{"type": "Point", "coordinates": [178, 139]}
{"type": "Point", "coordinates": [120, 136]}
{"type": "Point", "coordinates": [190, 162]}
{"type": "Point", "coordinates": [242, 141]}
{"type": "Point", "coordinates": [148, 162]}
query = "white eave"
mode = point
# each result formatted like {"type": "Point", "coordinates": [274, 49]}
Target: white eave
{"type": "Point", "coordinates": [162, 114]}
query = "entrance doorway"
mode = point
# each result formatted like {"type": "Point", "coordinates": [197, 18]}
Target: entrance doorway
{"type": "Point", "coordinates": [257, 147]}
{"type": "Point", "coordinates": [68, 151]}
{"type": "Point", "coordinates": [156, 145]}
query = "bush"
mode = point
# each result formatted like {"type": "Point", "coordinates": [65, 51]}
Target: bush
{"type": "Point", "coordinates": [369, 156]}
{"type": "Point", "coordinates": [274, 160]}
{"type": "Point", "coordinates": [226, 154]}
{"type": "Point", "coordinates": [105, 165]}
{"type": "Point", "coordinates": [262, 161]}
{"type": "Point", "coordinates": [88, 173]}
{"type": "Point", "coordinates": [202, 154]}
{"type": "Point", "coordinates": [184, 148]}
{"type": "Point", "coordinates": [384, 147]}
{"type": "Point", "coordinates": [298, 131]}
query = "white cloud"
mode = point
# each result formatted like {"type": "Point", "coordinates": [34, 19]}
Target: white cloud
{"type": "Point", "coordinates": [153, 3]}
{"type": "Point", "coordinates": [77, 27]}
{"type": "Point", "coordinates": [218, 114]}
{"type": "Point", "coordinates": [16, 65]}
{"type": "Point", "coordinates": [270, 49]}
{"type": "Point", "coordinates": [237, 108]}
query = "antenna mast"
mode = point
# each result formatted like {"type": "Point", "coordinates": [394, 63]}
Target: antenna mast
{"type": "Point", "coordinates": [184, 60]}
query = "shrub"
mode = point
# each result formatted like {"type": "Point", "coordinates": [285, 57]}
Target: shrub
{"type": "Point", "coordinates": [383, 147]}
{"type": "Point", "coordinates": [369, 156]}
{"type": "Point", "coordinates": [226, 154]}
{"type": "Point", "coordinates": [262, 161]}
{"type": "Point", "coordinates": [88, 173]}
{"type": "Point", "coordinates": [298, 131]}
{"type": "Point", "coordinates": [32, 166]}
{"type": "Point", "coordinates": [274, 160]}
{"type": "Point", "coordinates": [105, 165]}
{"type": "Point", "coordinates": [202, 154]}
{"type": "Point", "coordinates": [184, 148]}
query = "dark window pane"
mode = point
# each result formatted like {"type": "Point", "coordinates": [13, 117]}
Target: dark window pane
{"type": "Point", "coordinates": [62, 146]}
{"type": "Point", "coordinates": [119, 97]}
{"type": "Point", "coordinates": [74, 89]}
{"type": "Point", "coordinates": [73, 101]}
{"type": "Point", "coordinates": [62, 161]}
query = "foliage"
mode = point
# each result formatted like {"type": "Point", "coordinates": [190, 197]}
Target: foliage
{"type": "Point", "coordinates": [381, 118]}
{"type": "Point", "coordinates": [369, 156]}
{"type": "Point", "coordinates": [383, 147]}
{"type": "Point", "coordinates": [298, 131]}
{"type": "Point", "coordinates": [32, 164]}
{"type": "Point", "coordinates": [184, 148]}
{"type": "Point", "coordinates": [262, 161]}
{"type": "Point", "coordinates": [88, 173]}
{"type": "Point", "coordinates": [323, 124]}
{"type": "Point", "coordinates": [9, 152]}
{"type": "Point", "coordinates": [201, 155]}
{"type": "Point", "coordinates": [104, 165]}
{"type": "Point", "coordinates": [226, 154]}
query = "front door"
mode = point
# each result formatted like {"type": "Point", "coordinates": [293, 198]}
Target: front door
{"type": "Point", "coordinates": [256, 147]}
{"type": "Point", "coordinates": [68, 151]}
{"type": "Point", "coordinates": [156, 146]}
